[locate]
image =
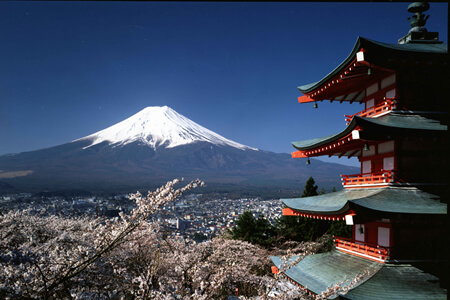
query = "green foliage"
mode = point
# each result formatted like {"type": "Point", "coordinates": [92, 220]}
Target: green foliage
{"type": "Point", "coordinates": [253, 230]}
{"type": "Point", "coordinates": [199, 237]}
{"type": "Point", "coordinates": [339, 228]}
{"type": "Point", "coordinates": [288, 228]}
{"type": "Point", "coordinates": [300, 229]}
{"type": "Point", "coordinates": [304, 229]}
{"type": "Point", "coordinates": [310, 188]}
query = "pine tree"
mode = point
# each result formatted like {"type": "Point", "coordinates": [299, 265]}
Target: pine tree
{"type": "Point", "coordinates": [304, 229]}
{"type": "Point", "coordinates": [245, 225]}
{"type": "Point", "coordinates": [253, 230]}
{"type": "Point", "coordinates": [310, 188]}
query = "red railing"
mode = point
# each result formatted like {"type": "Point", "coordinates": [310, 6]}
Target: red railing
{"type": "Point", "coordinates": [387, 105]}
{"type": "Point", "coordinates": [368, 178]}
{"type": "Point", "coordinates": [371, 251]}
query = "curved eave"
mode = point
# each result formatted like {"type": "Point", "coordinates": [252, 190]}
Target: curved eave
{"type": "Point", "coordinates": [328, 204]}
{"type": "Point", "coordinates": [397, 123]}
{"type": "Point", "coordinates": [387, 200]}
{"type": "Point", "coordinates": [318, 142]}
{"type": "Point", "coordinates": [340, 144]}
{"type": "Point", "coordinates": [310, 87]}
{"type": "Point", "coordinates": [382, 57]}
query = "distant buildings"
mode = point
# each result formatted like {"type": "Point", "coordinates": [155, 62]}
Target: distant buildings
{"type": "Point", "coordinates": [192, 218]}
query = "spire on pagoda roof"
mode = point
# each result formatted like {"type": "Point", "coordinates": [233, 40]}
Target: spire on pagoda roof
{"type": "Point", "coordinates": [418, 33]}
{"type": "Point", "coordinates": [419, 20]}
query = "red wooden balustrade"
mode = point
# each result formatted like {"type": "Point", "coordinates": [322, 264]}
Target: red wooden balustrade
{"type": "Point", "coordinates": [387, 105]}
{"type": "Point", "coordinates": [368, 178]}
{"type": "Point", "coordinates": [377, 252]}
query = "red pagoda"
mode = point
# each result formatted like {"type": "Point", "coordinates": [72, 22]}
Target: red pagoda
{"type": "Point", "coordinates": [397, 205]}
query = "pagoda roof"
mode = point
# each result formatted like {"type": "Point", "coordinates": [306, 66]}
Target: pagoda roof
{"type": "Point", "coordinates": [402, 281]}
{"type": "Point", "coordinates": [383, 55]}
{"type": "Point", "coordinates": [402, 123]}
{"type": "Point", "coordinates": [319, 271]}
{"type": "Point", "coordinates": [404, 200]}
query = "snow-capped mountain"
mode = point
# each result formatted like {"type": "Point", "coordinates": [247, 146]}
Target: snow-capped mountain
{"type": "Point", "coordinates": [153, 146]}
{"type": "Point", "coordinates": [159, 126]}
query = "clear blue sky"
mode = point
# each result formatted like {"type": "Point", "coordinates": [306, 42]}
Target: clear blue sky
{"type": "Point", "coordinates": [69, 69]}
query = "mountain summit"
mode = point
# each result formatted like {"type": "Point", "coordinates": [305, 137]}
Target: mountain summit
{"type": "Point", "coordinates": [159, 126]}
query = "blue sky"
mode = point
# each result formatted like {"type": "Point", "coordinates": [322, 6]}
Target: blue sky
{"type": "Point", "coordinates": [69, 69]}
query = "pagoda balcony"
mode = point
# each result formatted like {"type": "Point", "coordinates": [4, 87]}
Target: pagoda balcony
{"type": "Point", "coordinates": [366, 250]}
{"type": "Point", "coordinates": [381, 109]}
{"type": "Point", "coordinates": [376, 179]}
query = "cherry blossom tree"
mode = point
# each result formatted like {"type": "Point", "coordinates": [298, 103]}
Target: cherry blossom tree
{"type": "Point", "coordinates": [55, 257]}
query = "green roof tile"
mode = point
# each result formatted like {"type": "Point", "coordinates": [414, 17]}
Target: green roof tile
{"type": "Point", "coordinates": [407, 200]}
{"type": "Point", "coordinates": [403, 200]}
{"type": "Point", "coordinates": [408, 120]}
{"type": "Point", "coordinates": [319, 271]}
{"type": "Point", "coordinates": [398, 282]}
{"type": "Point", "coordinates": [387, 281]}
{"type": "Point", "coordinates": [330, 203]}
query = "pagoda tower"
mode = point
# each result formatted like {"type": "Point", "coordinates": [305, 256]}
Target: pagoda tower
{"type": "Point", "coordinates": [397, 204]}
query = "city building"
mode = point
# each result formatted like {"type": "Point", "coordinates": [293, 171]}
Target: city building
{"type": "Point", "coordinates": [397, 205]}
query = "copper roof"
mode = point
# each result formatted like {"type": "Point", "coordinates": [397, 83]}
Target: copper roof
{"type": "Point", "coordinates": [403, 200]}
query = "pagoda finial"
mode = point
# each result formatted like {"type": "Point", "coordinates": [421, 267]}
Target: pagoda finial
{"type": "Point", "coordinates": [418, 33]}
{"type": "Point", "coordinates": [419, 20]}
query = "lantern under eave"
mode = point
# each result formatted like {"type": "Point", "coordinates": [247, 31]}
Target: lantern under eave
{"type": "Point", "coordinates": [397, 204]}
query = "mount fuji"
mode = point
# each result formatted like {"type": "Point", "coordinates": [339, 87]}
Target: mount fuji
{"type": "Point", "coordinates": [159, 127]}
{"type": "Point", "coordinates": [153, 146]}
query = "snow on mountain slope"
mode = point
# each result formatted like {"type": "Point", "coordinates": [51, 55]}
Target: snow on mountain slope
{"type": "Point", "coordinates": [159, 126]}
